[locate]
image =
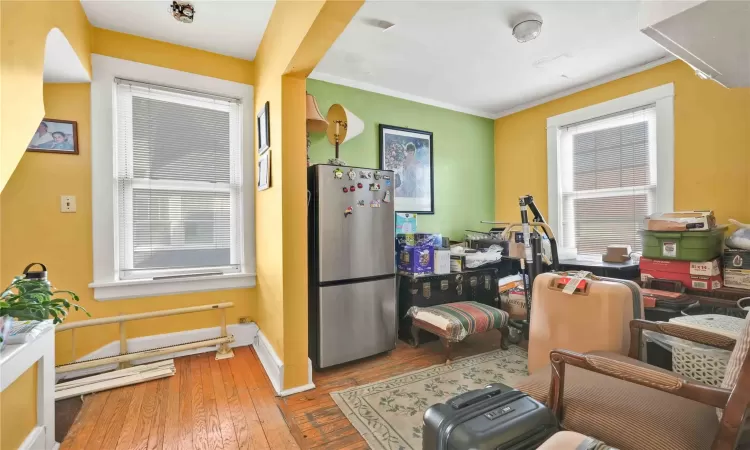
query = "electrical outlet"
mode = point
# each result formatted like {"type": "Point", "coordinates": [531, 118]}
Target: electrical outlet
{"type": "Point", "coordinates": [68, 203]}
{"type": "Point", "coordinates": [245, 319]}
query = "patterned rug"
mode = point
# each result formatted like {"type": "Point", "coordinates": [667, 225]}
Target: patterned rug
{"type": "Point", "coordinates": [388, 414]}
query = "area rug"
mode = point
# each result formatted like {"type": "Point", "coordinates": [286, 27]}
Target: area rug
{"type": "Point", "coordinates": [388, 414]}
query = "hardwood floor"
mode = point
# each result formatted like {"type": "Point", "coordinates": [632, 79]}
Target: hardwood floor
{"type": "Point", "coordinates": [230, 404]}
{"type": "Point", "coordinates": [207, 404]}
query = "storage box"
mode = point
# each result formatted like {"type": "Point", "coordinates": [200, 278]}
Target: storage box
{"type": "Point", "coordinates": [416, 259]}
{"type": "Point", "coordinates": [685, 245]}
{"type": "Point", "coordinates": [681, 221]}
{"type": "Point", "coordinates": [436, 240]}
{"type": "Point", "coordinates": [737, 259]}
{"type": "Point", "coordinates": [737, 278]}
{"type": "Point", "coordinates": [617, 254]}
{"type": "Point", "coordinates": [703, 276]}
{"type": "Point", "coordinates": [442, 261]}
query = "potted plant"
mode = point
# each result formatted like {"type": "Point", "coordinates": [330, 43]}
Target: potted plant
{"type": "Point", "coordinates": [34, 299]}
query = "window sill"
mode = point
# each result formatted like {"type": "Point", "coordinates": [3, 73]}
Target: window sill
{"type": "Point", "coordinates": [124, 289]}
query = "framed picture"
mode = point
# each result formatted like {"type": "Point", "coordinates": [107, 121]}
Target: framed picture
{"type": "Point", "coordinates": [55, 136]}
{"type": "Point", "coordinates": [408, 153]}
{"type": "Point", "coordinates": [264, 171]}
{"type": "Point", "coordinates": [264, 130]}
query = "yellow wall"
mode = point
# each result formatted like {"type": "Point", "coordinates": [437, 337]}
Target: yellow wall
{"type": "Point", "coordinates": [23, 33]}
{"type": "Point", "coordinates": [712, 143]}
{"type": "Point", "coordinates": [297, 36]}
{"type": "Point", "coordinates": [18, 410]}
{"type": "Point", "coordinates": [163, 54]}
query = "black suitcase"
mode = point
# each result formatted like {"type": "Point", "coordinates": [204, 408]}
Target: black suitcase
{"type": "Point", "coordinates": [497, 417]}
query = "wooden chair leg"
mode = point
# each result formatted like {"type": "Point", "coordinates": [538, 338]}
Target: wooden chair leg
{"type": "Point", "coordinates": [504, 337]}
{"type": "Point", "coordinates": [414, 336]}
{"type": "Point", "coordinates": [448, 347]}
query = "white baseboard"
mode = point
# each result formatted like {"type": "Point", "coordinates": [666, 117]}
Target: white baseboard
{"type": "Point", "coordinates": [244, 334]}
{"type": "Point", "coordinates": [274, 367]}
{"type": "Point", "coordinates": [35, 440]}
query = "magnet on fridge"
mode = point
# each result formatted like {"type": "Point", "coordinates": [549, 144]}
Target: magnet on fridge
{"type": "Point", "coordinates": [352, 174]}
{"type": "Point", "coordinates": [359, 185]}
{"type": "Point", "coordinates": [352, 189]}
{"type": "Point", "coordinates": [377, 175]}
{"type": "Point", "coordinates": [338, 173]}
{"type": "Point", "coordinates": [386, 177]}
{"type": "Point", "coordinates": [348, 211]}
{"type": "Point", "coordinates": [374, 186]}
{"type": "Point", "coordinates": [375, 204]}
{"type": "Point", "coordinates": [361, 203]}
{"type": "Point", "coordinates": [345, 190]}
{"type": "Point", "coordinates": [387, 197]}
{"type": "Point", "coordinates": [387, 182]}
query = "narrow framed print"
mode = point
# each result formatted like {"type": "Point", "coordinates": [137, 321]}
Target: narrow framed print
{"type": "Point", "coordinates": [408, 153]}
{"type": "Point", "coordinates": [264, 171]}
{"type": "Point", "coordinates": [264, 129]}
{"type": "Point", "coordinates": [55, 136]}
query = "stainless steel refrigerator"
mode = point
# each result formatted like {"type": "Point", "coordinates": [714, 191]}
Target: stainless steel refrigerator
{"type": "Point", "coordinates": [352, 286]}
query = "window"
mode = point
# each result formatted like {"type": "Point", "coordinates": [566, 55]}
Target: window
{"type": "Point", "coordinates": [172, 193]}
{"type": "Point", "coordinates": [612, 167]}
{"type": "Point", "coordinates": [179, 183]}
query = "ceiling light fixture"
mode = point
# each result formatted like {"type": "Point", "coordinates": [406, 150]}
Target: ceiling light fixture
{"type": "Point", "coordinates": [384, 25]}
{"type": "Point", "coordinates": [182, 11]}
{"type": "Point", "coordinates": [527, 28]}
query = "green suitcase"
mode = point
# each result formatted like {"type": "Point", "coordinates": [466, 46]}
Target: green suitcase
{"type": "Point", "coordinates": [683, 245]}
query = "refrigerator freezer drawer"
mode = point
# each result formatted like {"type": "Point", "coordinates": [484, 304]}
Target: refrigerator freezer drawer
{"type": "Point", "coordinates": [356, 320]}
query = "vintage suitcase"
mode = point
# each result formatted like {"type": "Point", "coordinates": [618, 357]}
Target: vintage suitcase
{"type": "Point", "coordinates": [595, 317]}
{"type": "Point", "coordinates": [479, 285]}
{"type": "Point", "coordinates": [496, 417]}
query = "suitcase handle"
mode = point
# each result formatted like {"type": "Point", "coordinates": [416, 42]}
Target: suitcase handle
{"type": "Point", "coordinates": [556, 285]}
{"type": "Point", "coordinates": [470, 398]}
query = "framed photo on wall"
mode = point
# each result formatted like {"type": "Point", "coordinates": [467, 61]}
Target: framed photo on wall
{"type": "Point", "coordinates": [264, 171]}
{"type": "Point", "coordinates": [264, 129]}
{"type": "Point", "coordinates": [55, 136]}
{"type": "Point", "coordinates": [408, 153]}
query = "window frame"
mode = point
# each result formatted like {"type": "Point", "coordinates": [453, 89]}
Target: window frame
{"type": "Point", "coordinates": [107, 283]}
{"type": "Point", "coordinates": [663, 99]}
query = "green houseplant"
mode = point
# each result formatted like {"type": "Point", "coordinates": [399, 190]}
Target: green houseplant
{"type": "Point", "coordinates": [34, 299]}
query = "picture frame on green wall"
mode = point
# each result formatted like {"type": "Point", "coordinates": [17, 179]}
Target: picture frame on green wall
{"type": "Point", "coordinates": [409, 154]}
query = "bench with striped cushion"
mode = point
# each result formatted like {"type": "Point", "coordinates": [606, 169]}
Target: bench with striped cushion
{"type": "Point", "coordinates": [452, 322]}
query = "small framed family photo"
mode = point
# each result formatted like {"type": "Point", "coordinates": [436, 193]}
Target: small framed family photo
{"type": "Point", "coordinates": [264, 130]}
{"type": "Point", "coordinates": [55, 136]}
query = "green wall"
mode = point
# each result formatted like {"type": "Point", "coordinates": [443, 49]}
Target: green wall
{"type": "Point", "coordinates": [463, 152]}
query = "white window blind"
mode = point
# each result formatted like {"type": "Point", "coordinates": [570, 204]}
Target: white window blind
{"type": "Point", "coordinates": [179, 182]}
{"type": "Point", "coordinates": [608, 180]}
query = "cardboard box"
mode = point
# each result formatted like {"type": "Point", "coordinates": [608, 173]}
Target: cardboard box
{"type": "Point", "coordinates": [617, 254]}
{"type": "Point", "coordinates": [416, 259]}
{"type": "Point", "coordinates": [681, 221]}
{"type": "Point", "coordinates": [737, 278]}
{"type": "Point", "coordinates": [737, 259]}
{"type": "Point", "coordinates": [705, 276]}
{"type": "Point", "coordinates": [458, 263]}
{"type": "Point", "coordinates": [442, 261]}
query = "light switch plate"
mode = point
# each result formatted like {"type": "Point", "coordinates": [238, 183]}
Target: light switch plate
{"type": "Point", "coordinates": [68, 203]}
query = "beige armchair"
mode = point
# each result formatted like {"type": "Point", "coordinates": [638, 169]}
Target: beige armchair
{"type": "Point", "coordinates": [631, 405]}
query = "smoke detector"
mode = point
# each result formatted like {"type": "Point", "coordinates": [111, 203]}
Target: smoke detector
{"type": "Point", "coordinates": [527, 28]}
{"type": "Point", "coordinates": [182, 11]}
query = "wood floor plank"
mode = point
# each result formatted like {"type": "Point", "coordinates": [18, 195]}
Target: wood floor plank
{"type": "Point", "coordinates": [158, 428]}
{"type": "Point", "coordinates": [146, 417]}
{"type": "Point", "coordinates": [235, 408]}
{"type": "Point", "coordinates": [228, 435]}
{"type": "Point", "coordinates": [186, 407]}
{"type": "Point", "coordinates": [259, 438]}
{"type": "Point", "coordinates": [115, 427]}
{"type": "Point", "coordinates": [84, 425]}
{"type": "Point", "coordinates": [213, 424]}
{"type": "Point", "coordinates": [131, 418]}
{"type": "Point", "coordinates": [172, 422]}
{"type": "Point", "coordinates": [273, 422]}
{"type": "Point", "coordinates": [200, 434]}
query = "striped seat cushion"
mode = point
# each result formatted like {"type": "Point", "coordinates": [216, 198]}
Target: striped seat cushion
{"type": "Point", "coordinates": [461, 319]}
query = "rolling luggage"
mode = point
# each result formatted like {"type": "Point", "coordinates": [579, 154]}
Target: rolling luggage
{"type": "Point", "coordinates": [497, 417]}
{"type": "Point", "coordinates": [596, 316]}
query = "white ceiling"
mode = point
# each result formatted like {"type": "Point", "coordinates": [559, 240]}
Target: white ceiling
{"type": "Point", "coordinates": [61, 63]}
{"type": "Point", "coordinates": [461, 54]}
{"type": "Point", "coordinates": [232, 28]}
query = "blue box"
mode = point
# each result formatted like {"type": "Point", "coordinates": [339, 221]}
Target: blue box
{"type": "Point", "coordinates": [416, 258]}
{"type": "Point", "coordinates": [406, 223]}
